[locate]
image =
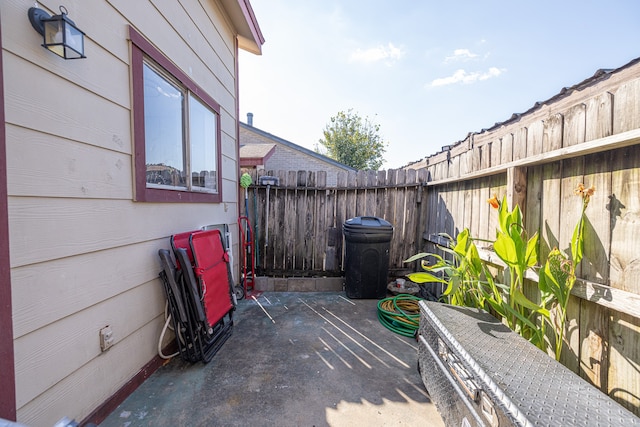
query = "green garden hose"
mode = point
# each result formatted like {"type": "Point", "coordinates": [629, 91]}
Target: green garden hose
{"type": "Point", "coordinates": [400, 314]}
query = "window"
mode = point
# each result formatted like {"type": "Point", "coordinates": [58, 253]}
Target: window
{"type": "Point", "coordinates": [176, 131]}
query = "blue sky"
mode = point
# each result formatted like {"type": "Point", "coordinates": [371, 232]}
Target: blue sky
{"type": "Point", "coordinates": [428, 72]}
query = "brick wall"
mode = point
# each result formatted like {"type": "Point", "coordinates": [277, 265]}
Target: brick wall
{"type": "Point", "coordinates": [288, 158]}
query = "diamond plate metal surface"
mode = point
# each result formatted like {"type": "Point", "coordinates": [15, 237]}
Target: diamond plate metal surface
{"type": "Point", "coordinates": [525, 385]}
{"type": "Point", "coordinates": [454, 407]}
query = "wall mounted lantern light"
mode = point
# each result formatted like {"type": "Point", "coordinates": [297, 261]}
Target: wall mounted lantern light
{"type": "Point", "coordinates": [59, 33]}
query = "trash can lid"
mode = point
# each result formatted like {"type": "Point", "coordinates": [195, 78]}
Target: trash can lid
{"type": "Point", "coordinates": [365, 223]}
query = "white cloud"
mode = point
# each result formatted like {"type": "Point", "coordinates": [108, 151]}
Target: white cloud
{"type": "Point", "coordinates": [389, 54]}
{"type": "Point", "coordinates": [460, 55]}
{"type": "Point", "coordinates": [462, 76]}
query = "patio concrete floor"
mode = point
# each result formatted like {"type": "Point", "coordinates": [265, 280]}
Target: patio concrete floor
{"type": "Point", "coordinates": [324, 360]}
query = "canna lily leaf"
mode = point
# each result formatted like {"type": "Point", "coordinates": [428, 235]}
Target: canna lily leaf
{"type": "Point", "coordinates": [436, 268]}
{"type": "Point", "coordinates": [531, 257]}
{"type": "Point", "coordinates": [502, 286]}
{"type": "Point", "coordinates": [522, 300]}
{"type": "Point", "coordinates": [521, 248]}
{"type": "Point", "coordinates": [455, 255]}
{"type": "Point", "coordinates": [448, 251]}
{"type": "Point", "coordinates": [506, 249]}
{"type": "Point", "coordinates": [504, 215]}
{"type": "Point", "coordinates": [547, 281]}
{"type": "Point", "coordinates": [577, 241]}
{"type": "Point", "coordinates": [516, 217]}
{"type": "Point", "coordinates": [417, 257]}
{"type": "Point", "coordinates": [452, 286]}
{"type": "Point", "coordinates": [543, 285]}
{"type": "Point", "coordinates": [513, 312]}
{"type": "Point", "coordinates": [446, 236]}
{"type": "Point", "coordinates": [473, 259]}
{"type": "Point", "coordinates": [439, 260]}
{"type": "Point", "coordinates": [421, 277]}
{"type": "Point", "coordinates": [461, 242]}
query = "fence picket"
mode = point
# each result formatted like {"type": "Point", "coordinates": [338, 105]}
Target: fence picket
{"type": "Point", "coordinates": [305, 218]}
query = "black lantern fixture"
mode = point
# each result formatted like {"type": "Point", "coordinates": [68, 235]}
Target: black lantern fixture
{"type": "Point", "coordinates": [59, 33]}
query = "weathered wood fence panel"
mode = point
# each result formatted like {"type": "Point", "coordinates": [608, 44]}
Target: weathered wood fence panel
{"type": "Point", "coordinates": [591, 135]}
{"type": "Point", "coordinates": [298, 223]}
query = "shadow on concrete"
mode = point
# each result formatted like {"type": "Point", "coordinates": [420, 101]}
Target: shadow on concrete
{"type": "Point", "coordinates": [294, 359]}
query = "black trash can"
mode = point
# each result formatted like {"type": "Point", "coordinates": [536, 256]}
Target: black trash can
{"type": "Point", "coordinates": [366, 261]}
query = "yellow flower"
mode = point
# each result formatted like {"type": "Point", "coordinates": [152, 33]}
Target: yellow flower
{"type": "Point", "coordinates": [590, 191]}
{"type": "Point", "coordinates": [494, 202]}
{"type": "Point", "coordinates": [585, 193]}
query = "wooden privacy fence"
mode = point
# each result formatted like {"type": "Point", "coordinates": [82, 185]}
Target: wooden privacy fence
{"type": "Point", "coordinates": [298, 223]}
{"type": "Point", "coordinates": [590, 135]}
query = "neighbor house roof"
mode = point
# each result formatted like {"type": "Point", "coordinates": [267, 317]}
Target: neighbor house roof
{"type": "Point", "coordinates": [296, 147]}
{"type": "Point", "coordinates": [255, 154]}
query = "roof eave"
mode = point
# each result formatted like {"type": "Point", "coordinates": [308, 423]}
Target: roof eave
{"type": "Point", "coordinates": [250, 36]}
{"type": "Point", "coordinates": [246, 162]}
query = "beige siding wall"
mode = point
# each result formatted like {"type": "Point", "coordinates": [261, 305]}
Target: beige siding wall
{"type": "Point", "coordinates": [83, 254]}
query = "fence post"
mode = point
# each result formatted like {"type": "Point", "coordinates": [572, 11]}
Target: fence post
{"type": "Point", "coordinates": [517, 188]}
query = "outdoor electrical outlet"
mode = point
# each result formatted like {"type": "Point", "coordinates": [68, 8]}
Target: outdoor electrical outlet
{"type": "Point", "coordinates": [106, 338]}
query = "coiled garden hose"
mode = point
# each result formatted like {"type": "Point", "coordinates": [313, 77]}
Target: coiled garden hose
{"type": "Point", "coordinates": [400, 314]}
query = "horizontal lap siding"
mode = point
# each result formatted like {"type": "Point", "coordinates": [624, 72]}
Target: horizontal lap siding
{"type": "Point", "coordinates": [58, 167]}
{"type": "Point", "coordinates": [71, 342]}
{"type": "Point", "coordinates": [67, 111]}
{"type": "Point", "coordinates": [109, 56]}
{"type": "Point", "coordinates": [85, 389]}
{"type": "Point", "coordinates": [99, 276]}
{"type": "Point", "coordinates": [83, 254]}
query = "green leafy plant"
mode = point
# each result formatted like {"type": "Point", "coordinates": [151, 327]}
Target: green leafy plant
{"type": "Point", "coordinates": [469, 282]}
{"type": "Point", "coordinates": [459, 270]}
{"type": "Point", "coordinates": [354, 141]}
{"type": "Point", "coordinates": [558, 276]}
{"type": "Point", "coordinates": [519, 253]}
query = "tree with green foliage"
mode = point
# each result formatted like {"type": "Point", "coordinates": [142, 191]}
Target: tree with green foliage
{"type": "Point", "coordinates": [354, 141]}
